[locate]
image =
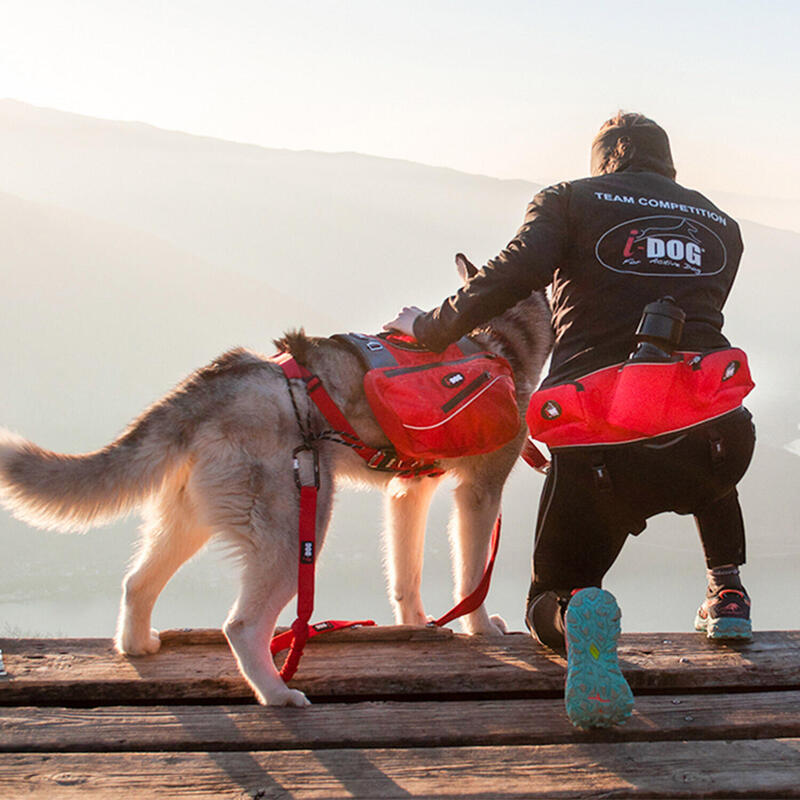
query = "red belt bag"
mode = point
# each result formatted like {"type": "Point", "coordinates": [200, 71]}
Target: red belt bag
{"type": "Point", "coordinates": [636, 400]}
{"type": "Point", "coordinates": [430, 406]}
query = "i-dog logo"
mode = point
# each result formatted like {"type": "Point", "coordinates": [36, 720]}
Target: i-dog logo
{"type": "Point", "coordinates": [452, 379]}
{"type": "Point", "coordinates": [550, 410]}
{"type": "Point", "coordinates": [662, 245]}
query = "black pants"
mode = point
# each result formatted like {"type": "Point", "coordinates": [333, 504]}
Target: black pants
{"type": "Point", "coordinates": [594, 497]}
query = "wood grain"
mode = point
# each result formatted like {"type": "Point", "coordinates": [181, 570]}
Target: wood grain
{"type": "Point", "coordinates": [389, 724]}
{"type": "Point", "coordinates": [765, 768]}
{"type": "Point", "coordinates": [385, 664]}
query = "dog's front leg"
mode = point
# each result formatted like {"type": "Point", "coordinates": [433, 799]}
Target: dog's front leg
{"type": "Point", "coordinates": [476, 510]}
{"type": "Point", "coordinates": [406, 508]}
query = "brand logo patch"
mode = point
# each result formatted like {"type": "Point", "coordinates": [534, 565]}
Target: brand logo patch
{"type": "Point", "coordinates": [307, 552]}
{"type": "Point", "coordinates": [551, 410]}
{"type": "Point", "coordinates": [662, 245]}
{"type": "Point", "coordinates": [452, 379]}
{"type": "Point", "coordinates": [730, 370]}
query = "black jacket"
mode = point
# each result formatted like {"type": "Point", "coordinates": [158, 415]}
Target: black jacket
{"type": "Point", "coordinates": [608, 245]}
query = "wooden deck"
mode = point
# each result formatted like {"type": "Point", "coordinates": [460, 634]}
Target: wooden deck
{"type": "Point", "coordinates": [398, 712]}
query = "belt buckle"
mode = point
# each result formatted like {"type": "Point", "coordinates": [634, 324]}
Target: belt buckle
{"type": "Point", "coordinates": [305, 448]}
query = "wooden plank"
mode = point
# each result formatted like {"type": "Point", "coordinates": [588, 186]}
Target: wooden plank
{"type": "Point", "coordinates": [764, 768]}
{"type": "Point", "coordinates": [755, 715]}
{"type": "Point", "coordinates": [372, 633]}
{"type": "Point", "coordinates": [359, 666]}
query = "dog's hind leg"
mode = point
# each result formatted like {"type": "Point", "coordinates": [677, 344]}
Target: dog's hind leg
{"type": "Point", "coordinates": [406, 510]}
{"type": "Point", "coordinates": [269, 552]}
{"type": "Point", "coordinates": [171, 535]}
{"type": "Point", "coordinates": [475, 511]}
{"type": "Point", "coordinates": [268, 584]}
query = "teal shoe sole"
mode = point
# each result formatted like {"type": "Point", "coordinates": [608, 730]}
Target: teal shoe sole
{"type": "Point", "coordinates": [724, 627]}
{"type": "Point", "coordinates": [596, 694]}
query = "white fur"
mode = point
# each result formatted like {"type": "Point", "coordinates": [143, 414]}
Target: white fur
{"type": "Point", "coordinates": [213, 458]}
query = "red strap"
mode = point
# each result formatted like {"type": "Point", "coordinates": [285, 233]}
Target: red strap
{"type": "Point", "coordinates": [291, 367]}
{"type": "Point", "coordinates": [300, 632]}
{"type": "Point", "coordinates": [478, 595]}
{"type": "Point", "coordinates": [375, 458]}
{"type": "Point", "coordinates": [305, 579]}
{"type": "Point", "coordinates": [284, 640]}
{"type": "Point", "coordinates": [295, 638]}
{"type": "Point", "coordinates": [534, 457]}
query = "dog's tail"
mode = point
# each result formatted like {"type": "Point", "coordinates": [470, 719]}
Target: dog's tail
{"type": "Point", "coordinates": [75, 492]}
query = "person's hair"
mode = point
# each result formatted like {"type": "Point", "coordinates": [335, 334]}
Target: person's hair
{"type": "Point", "coordinates": [630, 137]}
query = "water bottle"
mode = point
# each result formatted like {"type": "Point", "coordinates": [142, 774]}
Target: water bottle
{"type": "Point", "coordinates": [659, 332]}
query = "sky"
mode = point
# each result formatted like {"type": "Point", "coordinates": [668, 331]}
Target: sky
{"type": "Point", "coordinates": [510, 89]}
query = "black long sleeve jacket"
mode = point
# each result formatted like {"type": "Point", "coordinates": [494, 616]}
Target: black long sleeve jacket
{"type": "Point", "coordinates": [607, 246]}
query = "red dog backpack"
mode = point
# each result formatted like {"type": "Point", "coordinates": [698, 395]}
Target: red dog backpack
{"type": "Point", "coordinates": [437, 405]}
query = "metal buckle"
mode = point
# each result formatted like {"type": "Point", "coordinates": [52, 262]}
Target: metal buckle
{"type": "Point", "coordinates": [376, 461]}
{"type": "Point", "coordinates": [305, 448]}
{"type": "Point", "coordinates": [382, 461]}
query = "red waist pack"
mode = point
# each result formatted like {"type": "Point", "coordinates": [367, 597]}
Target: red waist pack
{"type": "Point", "coordinates": [437, 405]}
{"type": "Point", "coordinates": [631, 401]}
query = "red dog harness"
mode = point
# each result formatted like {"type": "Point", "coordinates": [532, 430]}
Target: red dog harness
{"type": "Point", "coordinates": [301, 631]}
{"type": "Point", "coordinates": [461, 402]}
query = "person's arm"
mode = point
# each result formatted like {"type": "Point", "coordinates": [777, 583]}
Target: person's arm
{"type": "Point", "coordinates": [526, 264]}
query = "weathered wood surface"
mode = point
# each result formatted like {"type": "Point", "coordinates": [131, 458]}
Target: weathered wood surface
{"type": "Point", "coordinates": [756, 715]}
{"type": "Point", "coordinates": [630, 769]}
{"type": "Point", "coordinates": [409, 661]}
{"type": "Point", "coordinates": [711, 720]}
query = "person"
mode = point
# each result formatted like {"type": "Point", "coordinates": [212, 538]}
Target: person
{"type": "Point", "coordinates": [608, 246]}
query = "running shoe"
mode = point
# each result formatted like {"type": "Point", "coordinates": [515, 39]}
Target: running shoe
{"type": "Point", "coordinates": [596, 694]}
{"type": "Point", "coordinates": [725, 615]}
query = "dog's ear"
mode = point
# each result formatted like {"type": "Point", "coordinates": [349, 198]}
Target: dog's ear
{"type": "Point", "coordinates": [466, 269]}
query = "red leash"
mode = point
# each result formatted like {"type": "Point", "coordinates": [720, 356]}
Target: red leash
{"type": "Point", "coordinates": [301, 631]}
{"type": "Point", "coordinates": [478, 595]}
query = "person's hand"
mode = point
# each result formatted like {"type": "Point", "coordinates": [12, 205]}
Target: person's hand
{"type": "Point", "coordinates": [404, 321]}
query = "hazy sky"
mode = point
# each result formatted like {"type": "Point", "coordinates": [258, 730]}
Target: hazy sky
{"type": "Point", "coordinates": [510, 89]}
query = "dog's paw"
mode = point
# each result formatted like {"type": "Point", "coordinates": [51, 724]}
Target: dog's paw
{"type": "Point", "coordinates": [130, 645]}
{"type": "Point", "coordinates": [297, 699]}
{"type": "Point", "coordinates": [494, 627]}
{"type": "Point", "coordinates": [499, 623]}
{"type": "Point", "coordinates": [292, 698]}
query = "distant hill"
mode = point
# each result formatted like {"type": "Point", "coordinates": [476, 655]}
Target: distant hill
{"type": "Point", "coordinates": [131, 255]}
{"type": "Point", "coordinates": [117, 315]}
{"type": "Point", "coordinates": [356, 234]}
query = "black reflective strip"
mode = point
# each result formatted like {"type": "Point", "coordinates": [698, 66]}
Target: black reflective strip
{"type": "Point", "coordinates": [391, 373]}
{"type": "Point", "coordinates": [465, 392]}
{"type": "Point", "coordinates": [370, 359]}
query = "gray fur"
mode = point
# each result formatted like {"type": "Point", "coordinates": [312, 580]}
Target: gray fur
{"type": "Point", "coordinates": [213, 458]}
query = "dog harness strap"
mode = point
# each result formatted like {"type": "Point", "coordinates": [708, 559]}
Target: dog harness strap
{"type": "Point", "coordinates": [295, 638]}
{"type": "Point", "coordinates": [478, 595]}
{"type": "Point", "coordinates": [300, 632]}
{"type": "Point", "coordinates": [291, 367]}
{"type": "Point", "coordinates": [376, 459]}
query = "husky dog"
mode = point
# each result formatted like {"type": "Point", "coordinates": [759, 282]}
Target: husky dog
{"type": "Point", "coordinates": [213, 458]}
